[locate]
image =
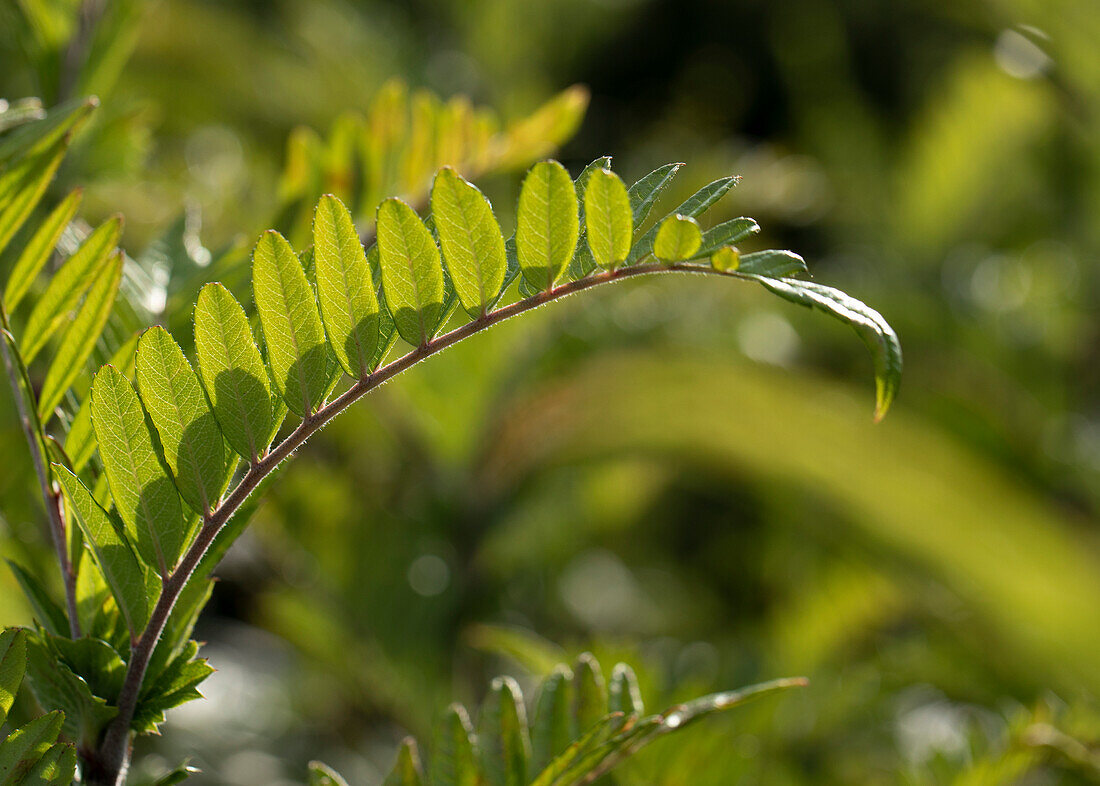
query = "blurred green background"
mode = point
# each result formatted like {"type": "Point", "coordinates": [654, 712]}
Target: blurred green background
{"type": "Point", "coordinates": [681, 473]}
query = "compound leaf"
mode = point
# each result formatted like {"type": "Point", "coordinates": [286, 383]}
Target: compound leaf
{"type": "Point", "coordinates": [547, 224]}
{"type": "Point", "coordinates": [412, 276]}
{"type": "Point", "coordinates": [608, 218]}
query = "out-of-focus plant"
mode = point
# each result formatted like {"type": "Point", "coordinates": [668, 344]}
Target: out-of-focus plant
{"type": "Point", "coordinates": [138, 530]}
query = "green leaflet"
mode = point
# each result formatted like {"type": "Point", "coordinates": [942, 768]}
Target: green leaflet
{"type": "Point", "coordinates": [412, 276]}
{"type": "Point", "coordinates": [644, 193]}
{"type": "Point", "coordinates": [293, 332]}
{"type": "Point", "coordinates": [175, 685]}
{"type": "Point", "coordinates": [232, 372]}
{"type": "Point", "coordinates": [623, 692]}
{"type": "Point", "coordinates": [144, 497]}
{"type": "Point", "coordinates": [28, 180]}
{"type": "Point", "coordinates": [24, 747]}
{"type": "Point", "coordinates": [590, 701]}
{"type": "Point", "coordinates": [406, 770]}
{"type": "Point", "coordinates": [37, 252]}
{"type": "Point", "coordinates": [13, 663]}
{"type": "Point", "coordinates": [678, 238]}
{"type": "Point", "coordinates": [116, 560]}
{"type": "Point", "coordinates": [502, 734]}
{"type": "Point", "coordinates": [875, 331]}
{"type": "Point", "coordinates": [46, 611]}
{"type": "Point", "coordinates": [56, 767]}
{"type": "Point", "coordinates": [553, 727]}
{"type": "Point", "coordinates": [693, 207]}
{"type": "Point", "coordinates": [320, 774]}
{"type": "Point", "coordinates": [600, 732]}
{"type": "Point", "coordinates": [454, 756]}
{"type": "Point", "coordinates": [547, 225]}
{"type": "Point", "coordinates": [60, 121]}
{"type": "Point", "coordinates": [81, 337]}
{"type": "Point", "coordinates": [66, 287]}
{"type": "Point", "coordinates": [582, 263]}
{"type": "Point", "coordinates": [470, 238]}
{"type": "Point", "coordinates": [608, 219]}
{"type": "Point", "coordinates": [726, 259]}
{"type": "Point", "coordinates": [55, 684]}
{"type": "Point", "coordinates": [772, 263]}
{"type": "Point", "coordinates": [345, 287]}
{"type": "Point", "coordinates": [80, 441]}
{"type": "Point", "coordinates": [192, 442]}
{"type": "Point", "coordinates": [727, 233]}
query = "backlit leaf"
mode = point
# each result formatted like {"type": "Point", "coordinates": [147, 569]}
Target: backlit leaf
{"type": "Point", "coordinates": [80, 441]}
{"type": "Point", "coordinates": [502, 734]}
{"type": "Point", "coordinates": [678, 238]}
{"type": "Point", "coordinates": [81, 337]}
{"type": "Point", "coordinates": [25, 746]}
{"type": "Point", "coordinates": [23, 185]}
{"type": "Point", "coordinates": [68, 284]}
{"type": "Point", "coordinates": [345, 288]}
{"type": "Point", "coordinates": [37, 252]}
{"type": "Point", "coordinates": [412, 275]}
{"type": "Point", "coordinates": [144, 497]}
{"type": "Point", "coordinates": [454, 755]}
{"type": "Point", "coordinates": [13, 664]}
{"type": "Point", "coordinates": [547, 224]}
{"type": "Point", "coordinates": [232, 371]}
{"type": "Point", "coordinates": [608, 219]}
{"type": "Point", "coordinates": [116, 560]}
{"type": "Point", "coordinates": [470, 238]}
{"type": "Point", "coordinates": [692, 207]}
{"type": "Point", "coordinates": [299, 356]}
{"type": "Point", "coordinates": [192, 442]}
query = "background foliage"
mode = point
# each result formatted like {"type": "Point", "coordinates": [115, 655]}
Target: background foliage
{"type": "Point", "coordinates": [686, 477]}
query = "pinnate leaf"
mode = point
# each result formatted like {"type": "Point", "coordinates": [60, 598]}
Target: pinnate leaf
{"type": "Point", "coordinates": [296, 348]}
{"type": "Point", "coordinates": [470, 238]}
{"type": "Point", "coordinates": [502, 735]}
{"type": "Point", "coordinates": [190, 437]}
{"type": "Point", "coordinates": [412, 276]}
{"type": "Point", "coordinates": [143, 495]}
{"type": "Point", "coordinates": [608, 218]}
{"type": "Point", "coordinates": [233, 372]}
{"type": "Point", "coordinates": [80, 441]}
{"type": "Point", "coordinates": [345, 287]}
{"type": "Point", "coordinates": [547, 223]}
{"type": "Point", "coordinates": [692, 207]}
{"type": "Point", "coordinates": [22, 187]}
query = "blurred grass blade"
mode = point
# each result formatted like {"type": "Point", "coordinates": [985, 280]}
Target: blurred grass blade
{"type": "Point", "coordinates": [144, 497]}
{"type": "Point", "coordinates": [193, 445]}
{"type": "Point", "coordinates": [547, 225]}
{"type": "Point", "coordinates": [454, 755]}
{"type": "Point", "coordinates": [553, 727]}
{"type": "Point", "coordinates": [232, 371]}
{"type": "Point", "coordinates": [407, 770]}
{"type": "Point", "coordinates": [590, 700]}
{"type": "Point", "coordinates": [66, 287]}
{"type": "Point", "coordinates": [81, 337]}
{"type": "Point", "coordinates": [505, 748]}
{"type": "Point", "coordinates": [295, 338]}
{"type": "Point", "coordinates": [320, 774]}
{"type": "Point", "coordinates": [470, 239]}
{"type": "Point", "coordinates": [117, 561]}
{"type": "Point", "coordinates": [59, 121]}
{"type": "Point", "coordinates": [412, 273]}
{"type": "Point", "coordinates": [349, 307]}
{"type": "Point", "coordinates": [37, 252]}
{"type": "Point", "coordinates": [13, 664]}
{"type": "Point", "coordinates": [609, 223]}
{"type": "Point", "coordinates": [875, 331]}
{"type": "Point", "coordinates": [623, 692]}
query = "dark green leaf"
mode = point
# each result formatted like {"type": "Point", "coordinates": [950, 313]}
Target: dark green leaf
{"type": "Point", "coordinates": [623, 692]}
{"type": "Point", "coordinates": [727, 233]}
{"type": "Point", "coordinates": [406, 770]}
{"type": "Point", "coordinates": [46, 610]}
{"type": "Point", "coordinates": [502, 734]}
{"type": "Point", "coordinates": [57, 767]}
{"type": "Point", "coordinates": [13, 663]}
{"type": "Point", "coordinates": [774, 264]}
{"type": "Point", "coordinates": [590, 701]}
{"type": "Point", "coordinates": [553, 727]}
{"type": "Point", "coordinates": [644, 193]}
{"type": "Point", "coordinates": [25, 746]}
{"type": "Point", "coordinates": [454, 755]}
{"type": "Point", "coordinates": [693, 207]}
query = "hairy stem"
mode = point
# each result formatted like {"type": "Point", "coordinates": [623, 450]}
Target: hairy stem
{"type": "Point", "coordinates": [51, 495]}
{"type": "Point", "coordinates": [114, 751]}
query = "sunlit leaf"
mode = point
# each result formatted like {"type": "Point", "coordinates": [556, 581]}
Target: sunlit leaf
{"type": "Point", "coordinates": [36, 253]}
{"type": "Point", "coordinates": [412, 275]}
{"type": "Point", "coordinates": [547, 224]}
{"type": "Point", "coordinates": [678, 238]}
{"type": "Point", "coordinates": [608, 218]}
{"type": "Point", "coordinates": [13, 664]}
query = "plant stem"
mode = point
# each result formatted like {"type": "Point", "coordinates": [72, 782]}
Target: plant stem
{"type": "Point", "coordinates": [51, 495]}
{"type": "Point", "coordinates": [114, 752]}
